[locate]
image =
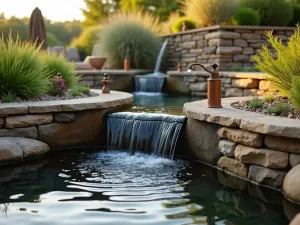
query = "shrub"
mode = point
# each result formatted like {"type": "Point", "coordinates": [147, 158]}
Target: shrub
{"type": "Point", "coordinates": [54, 64]}
{"type": "Point", "coordinates": [295, 93]}
{"type": "Point", "coordinates": [84, 89]}
{"type": "Point", "coordinates": [269, 97]}
{"type": "Point", "coordinates": [130, 39]}
{"type": "Point", "coordinates": [177, 26]}
{"type": "Point", "coordinates": [272, 12]}
{"type": "Point", "coordinates": [209, 12]}
{"type": "Point", "coordinates": [282, 69]}
{"type": "Point", "coordinates": [296, 14]}
{"type": "Point", "coordinates": [8, 97]}
{"type": "Point", "coordinates": [279, 108]}
{"type": "Point", "coordinates": [247, 16]}
{"type": "Point", "coordinates": [57, 85]}
{"type": "Point", "coordinates": [75, 92]}
{"type": "Point", "coordinates": [21, 72]}
{"type": "Point", "coordinates": [256, 103]}
{"type": "Point", "coordinates": [87, 39]}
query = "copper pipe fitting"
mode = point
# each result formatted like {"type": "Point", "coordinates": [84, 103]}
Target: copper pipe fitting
{"type": "Point", "coordinates": [214, 92]}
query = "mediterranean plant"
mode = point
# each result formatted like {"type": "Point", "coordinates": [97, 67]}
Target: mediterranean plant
{"type": "Point", "coordinates": [54, 64]}
{"type": "Point", "coordinates": [81, 88]}
{"type": "Point", "coordinates": [57, 85]}
{"type": "Point", "coordinates": [21, 72]}
{"type": "Point", "coordinates": [256, 103]}
{"type": "Point", "coordinates": [295, 93]}
{"type": "Point", "coordinates": [209, 12]}
{"type": "Point", "coordinates": [279, 108]}
{"type": "Point", "coordinates": [247, 16]}
{"type": "Point", "coordinates": [8, 97]}
{"type": "Point", "coordinates": [272, 12]}
{"type": "Point", "coordinates": [177, 26]}
{"type": "Point", "coordinates": [87, 39]}
{"type": "Point", "coordinates": [285, 66]}
{"type": "Point", "coordinates": [132, 40]}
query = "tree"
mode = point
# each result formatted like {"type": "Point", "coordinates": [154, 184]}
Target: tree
{"type": "Point", "coordinates": [97, 11]}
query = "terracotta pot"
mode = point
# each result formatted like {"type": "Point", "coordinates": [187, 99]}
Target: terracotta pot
{"type": "Point", "coordinates": [96, 62]}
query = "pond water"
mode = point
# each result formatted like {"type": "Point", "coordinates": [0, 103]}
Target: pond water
{"type": "Point", "coordinates": [94, 187]}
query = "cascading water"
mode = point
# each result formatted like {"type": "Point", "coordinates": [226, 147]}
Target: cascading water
{"type": "Point", "coordinates": [152, 82]}
{"type": "Point", "coordinates": [144, 132]}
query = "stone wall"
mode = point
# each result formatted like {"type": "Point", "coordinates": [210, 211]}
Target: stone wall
{"type": "Point", "coordinates": [256, 147]}
{"type": "Point", "coordinates": [120, 80]}
{"type": "Point", "coordinates": [234, 84]}
{"type": "Point", "coordinates": [228, 46]}
{"type": "Point", "coordinates": [62, 124]}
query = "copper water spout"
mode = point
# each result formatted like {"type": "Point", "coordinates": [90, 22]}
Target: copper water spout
{"type": "Point", "coordinates": [214, 92]}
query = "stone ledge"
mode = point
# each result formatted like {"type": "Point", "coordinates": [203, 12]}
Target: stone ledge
{"type": "Point", "coordinates": [102, 101]}
{"type": "Point", "coordinates": [250, 121]}
{"type": "Point", "coordinates": [113, 72]}
{"type": "Point", "coordinates": [223, 74]}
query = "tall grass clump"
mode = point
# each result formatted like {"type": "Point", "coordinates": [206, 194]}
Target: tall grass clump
{"type": "Point", "coordinates": [21, 72]}
{"type": "Point", "coordinates": [209, 12]}
{"type": "Point", "coordinates": [272, 12]}
{"type": "Point", "coordinates": [132, 40]}
{"type": "Point", "coordinates": [285, 66]}
{"type": "Point", "coordinates": [53, 64]}
{"type": "Point", "coordinates": [295, 93]}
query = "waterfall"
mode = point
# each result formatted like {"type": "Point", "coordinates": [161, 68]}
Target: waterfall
{"type": "Point", "coordinates": [144, 132]}
{"type": "Point", "coordinates": [152, 82]}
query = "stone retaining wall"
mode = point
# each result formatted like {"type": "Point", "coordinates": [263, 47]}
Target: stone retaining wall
{"type": "Point", "coordinates": [120, 80]}
{"type": "Point", "coordinates": [249, 145]}
{"type": "Point", "coordinates": [234, 84]}
{"type": "Point", "coordinates": [228, 46]}
{"type": "Point", "coordinates": [63, 123]}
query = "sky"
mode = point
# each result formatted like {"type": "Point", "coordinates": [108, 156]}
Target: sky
{"type": "Point", "coordinates": [57, 10]}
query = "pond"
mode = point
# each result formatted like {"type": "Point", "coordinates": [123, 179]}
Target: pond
{"type": "Point", "coordinates": [98, 187]}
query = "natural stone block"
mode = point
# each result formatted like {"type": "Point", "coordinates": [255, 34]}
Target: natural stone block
{"type": "Point", "coordinates": [232, 181]}
{"type": "Point", "coordinates": [210, 50]}
{"type": "Point", "coordinates": [9, 151]}
{"type": "Point", "coordinates": [242, 137]}
{"type": "Point", "coordinates": [265, 176]}
{"type": "Point", "coordinates": [240, 42]}
{"type": "Point", "coordinates": [198, 37]}
{"type": "Point", "coordinates": [294, 159]}
{"type": "Point", "coordinates": [226, 80]}
{"type": "Point", "coordinates": [266, 86]}
{"type": "Point", "coordinates": [233, 166]}
{"type": "Point", "coordinates": [241, 58]}
{"type": "Point", "coordinates": [224, 50]}
{"type": "Point", "coordinates": [245, 83]}
{"type": "Point", "coordinates": [199, 94]}
{"type": "Point", "coordinates": [28, 120]}
{"type": "Point", "coordinates": [190, 79]}
{"type": "Point", "coordinates": [198, 51]}
{"type": "Point", "coordinates": [64, 117]}
{"type": "Point", "coordinates": [28, 132]}
{"type": "Point", "coordinates": [186, 37]}
{"type": "Point", "coordinates": [234, 92]}
{"type": "Point", "coordinates": [201, 43]}
{"type": "Point", "coordinates": [262, 156]}
{"type": "Point", "coordinates": [223, 34]}
{"type": "Point", "coordinates": [291, 184]}
{"type": "Point", "coordinates": [283, 144]}
{"type": "Point", "coordinates": [200, 86]}
{"type": "Point", "coordinates": [251, 36]}
{"type": "Point", "coordinates": [227, 148]}
{"type": "Point", "coordinates": [189, 60]}
{"type": "Point", "coordinates": [248, 51]}
{"type": "Point", "coordinates": [189, 44]}
{"type": "Point", "coordinates": [219, 42]}
{"type": "Point", "coordinates": [253, 92]}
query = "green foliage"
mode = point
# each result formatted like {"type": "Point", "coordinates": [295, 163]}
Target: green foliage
{"type": "Point", "coordinates": [209, 12]}
{"type": "Point", "coordinates": [82, 88]}
{"type": "Point", "coordinates": [296, 14]}
{"type": "Point", "coordinates": [8, 97]}
{"type": "Point", "coordinates": [244, 69]}
{"type": "Point", "coordinates": [177, 26]}
{"type": "Point", "coordinates": [247, 16]}
{"type": "Point", "coordinates": [256, 103]}
{"type": "Point", "coordinates": [54, 64]}
{"type": "Point", "coordinates": [295, 93]}
{"type": "Point", "coordinates": [282, 69]}
{"type": "Point", "coordinates": [272, 12]}
{"type": "Point", "coordinates": [87, 39]}
{"type": "Point", "coordinates": [279, 108]}
{"type": "Point", "coordinates": [269, 97]}
{"type": "Point", "coordinates": [53, 41]}
{"type": "Point", "coordinates": [21, 72]}
{"type": "Point", "coordinates": [130, 39]}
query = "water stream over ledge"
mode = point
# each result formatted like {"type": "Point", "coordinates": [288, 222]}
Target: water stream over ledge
{"type": "Point", "coordinates": [144, 132]}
